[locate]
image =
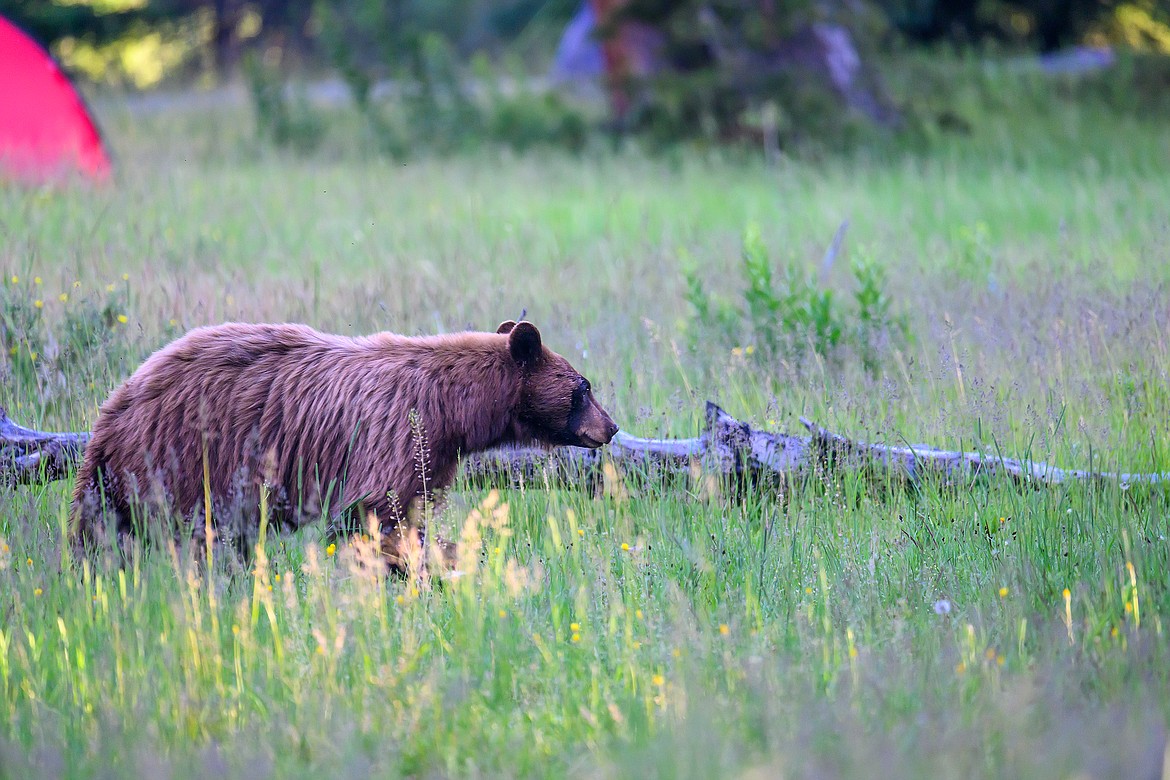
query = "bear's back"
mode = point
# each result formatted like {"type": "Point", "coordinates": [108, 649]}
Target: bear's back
{"type": "Point", "coordinates": [207, 396]}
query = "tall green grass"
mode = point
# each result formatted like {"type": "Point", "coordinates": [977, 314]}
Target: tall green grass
{"type": "Point", "coordinates": [843, 625]}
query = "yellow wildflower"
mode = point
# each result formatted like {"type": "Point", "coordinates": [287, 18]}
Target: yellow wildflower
{"type": "Point", "coordinates": [574, 627]}
{"type": "Point", "coordinates": [332, 548]}
{"type": "Point", "coordinates": [658, 680]}
{"type": "Point", "coordinates": [36, 280]}
{"type": "Point", "coordinates": [37, 592]}
{"type": "Point", "coordinates": [39, 303]}
{"type": "Point", "coordinates": [723, 629]}
{"type": "Point", "coordinates": [1003, 592]}
{"type": "Point", "coordinates": [122, 318]}
{"type": "Point", "coordinates": [63, 297]}
{"type": "Point", "coordinates": [625, 547]}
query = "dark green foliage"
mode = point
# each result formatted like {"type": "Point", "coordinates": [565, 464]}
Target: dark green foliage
{"type": "Point", "coordinates": [379, 27]}
{"type": "Point", "coordinates": [48, 22]}
{"type": "Point", "coordinates": [1045, 24]}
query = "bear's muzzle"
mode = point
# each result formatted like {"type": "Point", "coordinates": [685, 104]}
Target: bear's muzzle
{"type": "Point", "coordinates": [596, 427]}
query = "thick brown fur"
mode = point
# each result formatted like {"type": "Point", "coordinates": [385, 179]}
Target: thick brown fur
{"type": "Point", "coordinates": [323, 420]}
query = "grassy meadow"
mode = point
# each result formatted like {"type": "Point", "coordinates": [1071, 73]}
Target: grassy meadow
{"type": "Point", "coordinates": [844, 626]}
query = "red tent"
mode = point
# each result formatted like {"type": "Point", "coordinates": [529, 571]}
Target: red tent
{"type": "Point", "coordinates": [45, 130]}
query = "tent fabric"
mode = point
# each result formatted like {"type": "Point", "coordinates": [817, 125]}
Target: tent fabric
{"type": "Point", "coordinates": [45, 130]}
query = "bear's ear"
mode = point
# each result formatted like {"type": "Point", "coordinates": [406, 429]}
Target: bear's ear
{"type": "Point", "coordinates": [524, 343]}
{"type": "Point", "coordinates": [506, 326]}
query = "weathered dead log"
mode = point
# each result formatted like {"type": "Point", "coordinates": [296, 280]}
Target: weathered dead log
{"type": "Point", "coordinates": [918, 460]}
{"type": "Point", "coordinates": [726, 447]}
{"type": "Point", "coordinates": [28, 456]}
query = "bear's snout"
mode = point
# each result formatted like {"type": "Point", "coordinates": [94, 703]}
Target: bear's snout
{"type": "Point", "coordinates": [603, 434]}
{"type": "Point", "coordinates": [597, 428]}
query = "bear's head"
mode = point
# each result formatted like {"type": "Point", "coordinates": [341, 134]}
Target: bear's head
{"type": "Point", "coordinates": [556, 403]}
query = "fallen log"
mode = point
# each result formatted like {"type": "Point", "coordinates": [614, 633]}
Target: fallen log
{"type": "Point", "coordinates": [28, 456]}
{"type": "Point", "coordinates": [726, 447]}
{"type": "Point", "coordinates": [916, 460]}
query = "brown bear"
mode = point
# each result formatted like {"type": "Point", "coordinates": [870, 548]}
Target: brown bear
{"type": "Point", "coordinates": [330, 423]}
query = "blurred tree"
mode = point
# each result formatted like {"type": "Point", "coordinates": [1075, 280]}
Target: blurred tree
{"type": "Point", "coordinates": [241, 24]}
{"type": "Point", "coordinates": [368, 40]}
{"type": "Point", "coordinates": [49, 22]}
{"type": "Point", "coordinates": [372, 39]}
{"type": "Point", "coordinates": [103, 29]}
{"type": "Point", "coordinates": [753, 69]}
{"type": "Point", "coordinates": [1043, 24]}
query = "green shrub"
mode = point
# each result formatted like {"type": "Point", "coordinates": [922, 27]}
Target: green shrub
{"type": "Point", "coordinates": [792, 315]}
{"type": "Point", "coordinates": [971, 255]}
{"type": "Point", "coordinates": [877, 325]}
{"type": "Point", "coordinates": [529, 120]}
{"type": "Point", "coordinates": [283, 121]}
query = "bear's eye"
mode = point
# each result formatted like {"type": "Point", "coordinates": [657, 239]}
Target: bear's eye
{"type": "Point", "coordinates": [588, 387]}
